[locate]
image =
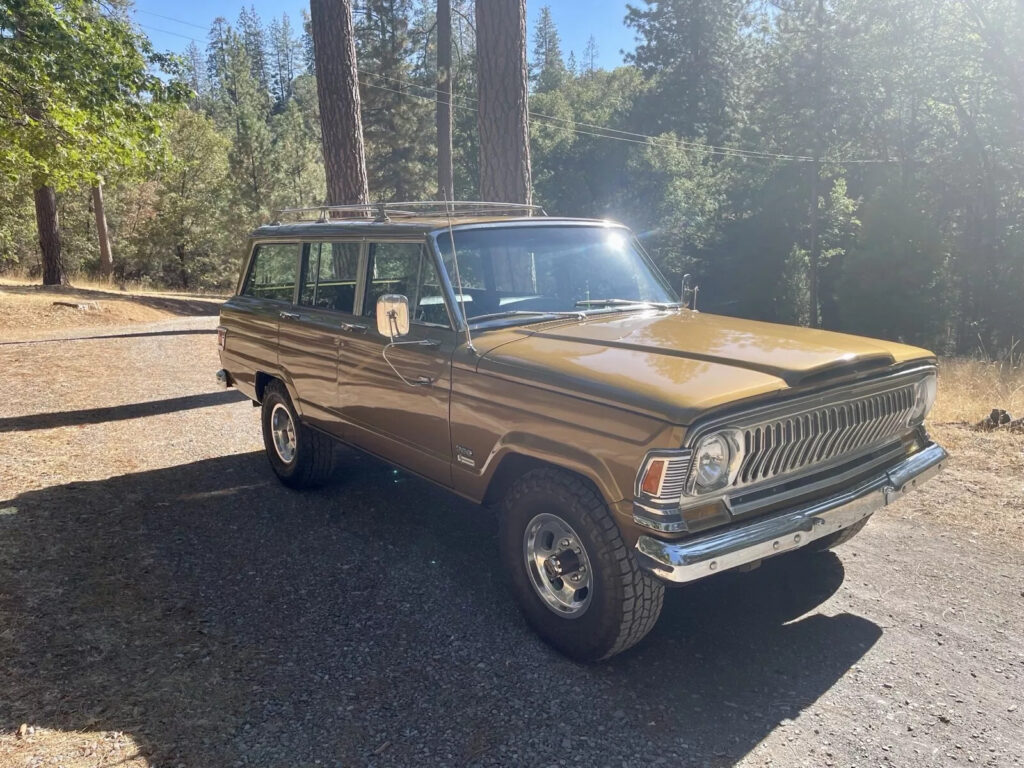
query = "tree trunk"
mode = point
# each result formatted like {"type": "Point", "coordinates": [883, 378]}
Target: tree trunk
{"type": "Point", "coordinates": [337, 86]}
{"type": "Point", "coordinates": [443, 113]}
{"type": "Point", "coordinates": [503, 117]}
{"type": "Point", "coordinates": [49, 236]}
{"type": "Point", "coordinates": [814, 249]}
{"type": "Point", "coordinates": [106, 257]}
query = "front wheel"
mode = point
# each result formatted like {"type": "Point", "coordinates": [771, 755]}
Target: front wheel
{"type": "Point", "coordinates": [578, 584]}
{"type": "Point", "coordinates": [299, 456]}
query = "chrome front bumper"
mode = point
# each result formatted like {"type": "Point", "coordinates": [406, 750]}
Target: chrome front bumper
{"type": "Point", "coordinates": [715, 551]}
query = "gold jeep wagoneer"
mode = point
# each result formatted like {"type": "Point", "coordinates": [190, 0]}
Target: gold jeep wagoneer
{"type": "Point", "coordinates": [544, 366]}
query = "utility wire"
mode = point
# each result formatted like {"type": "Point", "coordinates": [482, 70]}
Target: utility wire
{"type": "Point", "coordinates": [169, 32]}
{"type": "Point", "coordinates": [171, 18]}
{"type": "Point", "coordinates": [608, 133]}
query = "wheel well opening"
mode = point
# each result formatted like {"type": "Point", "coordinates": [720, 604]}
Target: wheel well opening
{"type": "Point", "coordinates": [262, 380]}
{"type": "Point", "coordinates": [514, 466]}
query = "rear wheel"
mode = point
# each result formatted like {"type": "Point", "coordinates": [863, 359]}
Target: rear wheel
{"type": "Point", "coordinates": [299, 456]}
{"type": "Point", "coordinates": [575, 579]}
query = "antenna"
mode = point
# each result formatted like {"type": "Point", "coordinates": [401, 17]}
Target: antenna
{"type": "Point", "coordinates": [458, 277]}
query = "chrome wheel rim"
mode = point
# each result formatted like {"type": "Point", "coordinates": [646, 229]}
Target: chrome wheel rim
{"type": "Point", "coordinates": [557, 565]}
{"type": "Point", "coordinates": [282, 429]}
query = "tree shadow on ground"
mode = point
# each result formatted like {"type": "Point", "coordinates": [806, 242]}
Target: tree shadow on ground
{"type": "Point", "coordinates": [53, 419]}
{"type": "Point", "coordinates": [177, 304]}
{"type": "Point", "coordinates": [100, 336]}
{"type": "Point", "coordinates": [222, 620]}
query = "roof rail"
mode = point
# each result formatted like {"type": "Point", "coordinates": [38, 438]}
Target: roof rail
{"type": "Point", "coordinates": [408, 210]}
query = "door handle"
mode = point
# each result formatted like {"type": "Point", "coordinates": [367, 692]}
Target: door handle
{"type": "Point", "coordinates": [354, 327]}
{"type": "Point", "coordinates": [289, 315]}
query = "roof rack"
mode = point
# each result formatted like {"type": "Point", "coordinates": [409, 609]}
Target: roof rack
{"type": "Point", "coordinates": [408, 210]}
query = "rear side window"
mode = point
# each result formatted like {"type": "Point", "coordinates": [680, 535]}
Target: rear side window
{"type": "Point", "coordinates": [273, 271]}
{"type": "Point", "coordinates": [329, 276]}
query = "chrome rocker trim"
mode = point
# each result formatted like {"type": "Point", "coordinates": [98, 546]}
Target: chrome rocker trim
{"type": "Point", "coordinates": [715, 551]}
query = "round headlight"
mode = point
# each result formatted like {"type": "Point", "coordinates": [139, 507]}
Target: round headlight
{"type": "Point", "coordinates": [925, 390]}
{"type": "Point", "coordinates": [712, 463]}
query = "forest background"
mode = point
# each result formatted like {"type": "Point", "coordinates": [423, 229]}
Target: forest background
{"type": "Point", "coordinates": [853, 164]}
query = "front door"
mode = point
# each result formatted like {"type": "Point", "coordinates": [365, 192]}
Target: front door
{"type": "Point", "coordinates": [395, 398]}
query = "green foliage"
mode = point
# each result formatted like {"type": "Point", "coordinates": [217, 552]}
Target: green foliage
{"type": "Point", "coordinates": [77, 97]}
{"type": "Point", "coordinates": [894, 277]}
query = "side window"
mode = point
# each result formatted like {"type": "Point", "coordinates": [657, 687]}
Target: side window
{"type": "Point", "coordinates": [273, 271]}
{"type": "Point", "coordinates": [330, 276]}
{"type": "Point", "coordinates": [406, 269]}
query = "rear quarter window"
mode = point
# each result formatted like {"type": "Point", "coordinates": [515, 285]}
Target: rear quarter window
{"type": "Point", "coordinates": [273, 272]}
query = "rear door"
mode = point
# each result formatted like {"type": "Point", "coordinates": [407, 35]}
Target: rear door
{"type": "Point", "coordinates": [397, 406]}
{"type": "Point", "coordinates": [314, 329]}
{"type": "Point", "coordinates": [252, 317]}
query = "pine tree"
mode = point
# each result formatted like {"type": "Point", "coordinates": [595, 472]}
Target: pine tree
{"type": "Point", "coordinates": [308, 55]}
{"type": "Point", "coordinates": [547, 70]}
{"type": "Point", "coordinates": [337, 80]}
{"type": "Point", "coordinates": [397, 122]}
{"type": "Point", "coordinates": [283, 60]}
{"type": "Point", "coordinates": [694, 48]}
{"type": "Point", "coordinates": [590, 54]}
{"type": "Point", "coordinates": [253, 37]}
{"type": "Point", "coordinates": [503, 93]}
{"type": "Point", "coordinates": [195, 71]}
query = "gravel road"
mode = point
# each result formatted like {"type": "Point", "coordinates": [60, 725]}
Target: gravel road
{"type": "Point", "coordinates": [161, 592]}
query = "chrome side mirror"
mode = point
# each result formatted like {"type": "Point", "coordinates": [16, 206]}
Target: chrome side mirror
{"type": "Point", "coordinates": [689, 292]}
{"type": "Point", "coordinates": [393, 316]}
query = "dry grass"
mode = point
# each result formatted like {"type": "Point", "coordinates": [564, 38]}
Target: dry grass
{"type": "Point", "coordinates": [970, 389]}
{"type": "Point", "coordinates": [28, 311]}
{"type": "Point", "coordinates": [982, 492]}
{"type": "Point", "coordinates": [37, 746]}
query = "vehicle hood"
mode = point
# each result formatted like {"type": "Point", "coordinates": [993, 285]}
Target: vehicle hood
{"type": "Point", "coordinates": [678, 365]}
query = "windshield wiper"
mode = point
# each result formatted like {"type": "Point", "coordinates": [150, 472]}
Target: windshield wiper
{"type": "Point", "coordinates": [523, 313]}
{"type": "Point", "coordinates": [624, 303]}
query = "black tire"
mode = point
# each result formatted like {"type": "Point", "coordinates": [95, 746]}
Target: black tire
{"type": "Point", "coordinates": [313, 457]}
{"type": "Point", "coordinates": [626, 600]}
{"type": "Point", "coordinates": [833, 540]}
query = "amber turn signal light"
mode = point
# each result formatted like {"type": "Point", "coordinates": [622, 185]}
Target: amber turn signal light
{"type": "Point", "coordinates": [651, 484]}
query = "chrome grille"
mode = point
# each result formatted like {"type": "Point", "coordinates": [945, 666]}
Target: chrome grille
{"type": "Point", "coordinates": [794, 442]}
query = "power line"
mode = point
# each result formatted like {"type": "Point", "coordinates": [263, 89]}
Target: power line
{"type": "Point", "coordinates": [640, 138]}
{"type": "Point", "coordinates": [171, 18]}
{"type": "Point", "coordinates": [631, 138]}
{"type": "Point", "coordinates": [168, 32]}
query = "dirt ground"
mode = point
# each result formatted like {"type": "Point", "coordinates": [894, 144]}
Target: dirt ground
{"type": "Point", "coordinates": [165, 602]}
{"type": "Point", "coordinates": [34, 311]}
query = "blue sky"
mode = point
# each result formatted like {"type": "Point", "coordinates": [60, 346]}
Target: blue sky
{"type": "Point", "coordinates": [170, 23]}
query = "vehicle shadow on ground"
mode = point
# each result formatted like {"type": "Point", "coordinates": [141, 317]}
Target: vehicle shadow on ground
{"type": "Point", "coordinates": [220, 619]}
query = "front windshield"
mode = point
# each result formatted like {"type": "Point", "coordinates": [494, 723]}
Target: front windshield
{"type": "Point", "coordinates": [514, 271]}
